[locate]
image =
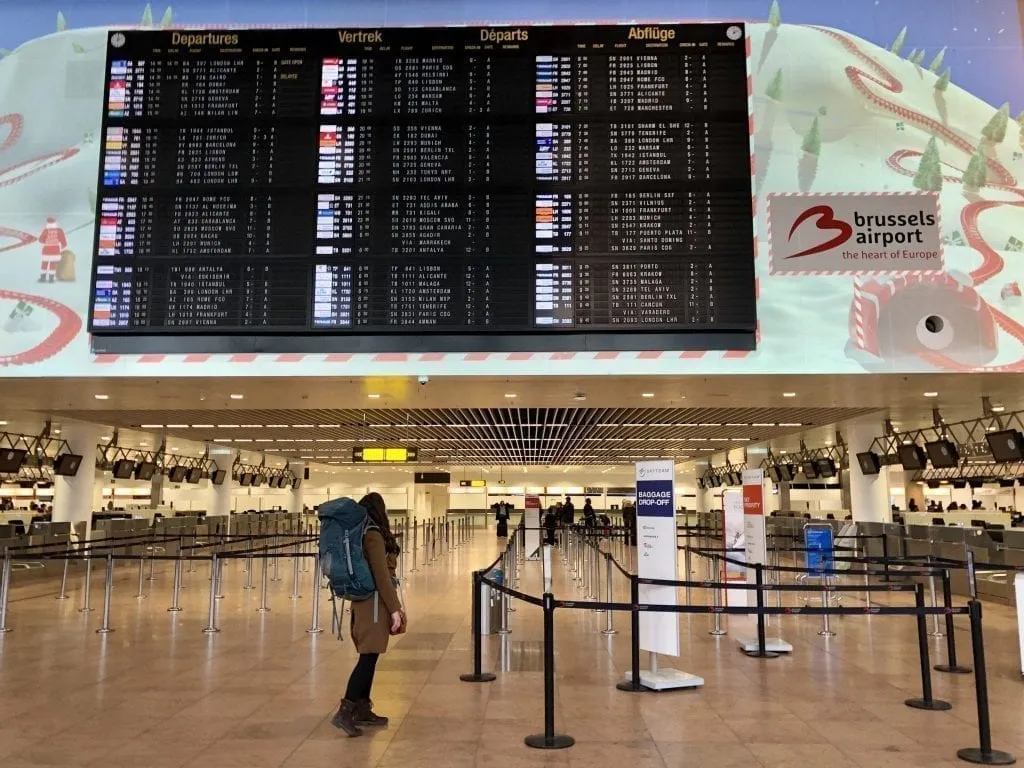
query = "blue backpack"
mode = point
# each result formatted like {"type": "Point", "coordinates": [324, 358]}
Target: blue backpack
{"type": "Point", "coordinates": [343, 522]}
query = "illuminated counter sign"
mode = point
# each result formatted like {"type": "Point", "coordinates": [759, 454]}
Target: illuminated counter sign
{"type": "Point", "coordinates": [451, 189]}
{"type": "Point", "coordinates": [387, 455]}
{"type": "Point", "coordinates": [472, 483]}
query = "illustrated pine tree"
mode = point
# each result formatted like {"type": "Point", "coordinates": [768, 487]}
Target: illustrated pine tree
{"type": "Point", "coordinates": [61, 22]}
{"type": "Point", "coordinates": [897, 44]}
{"type": "Point", "coordinates": [168, 18]}
{"type": "Point", "coordinates": [912, 55]}
{"type": "Point", "coordinates": [919, 58]}
{"type": "Point", "coordinates": [774, 15]}
{"type": "Point", "coordinates": [995, 129]}
{"type": "Point", "coordinates": [943, 82]}
{"type": "Point", "coordinates": [812, 141]}
{"type": "Point", "coordinates": [929, 171]}
{"type": "Point", "coordinates": [937, 61]}
{"type": "Point", "coordinates": [147, 16]}
{"type": "Point", "coordinates": [977, 169]}
{"type": "Point", "coordinates": [774, 91]}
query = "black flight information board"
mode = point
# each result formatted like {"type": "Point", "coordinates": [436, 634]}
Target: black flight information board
{"type": "Point", "coordinates": [405, 189]}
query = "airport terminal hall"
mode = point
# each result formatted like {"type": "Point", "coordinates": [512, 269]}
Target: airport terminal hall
{"type": "Point", "coordinates": [492, 384]}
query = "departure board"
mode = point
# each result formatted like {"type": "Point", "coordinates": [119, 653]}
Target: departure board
{"type": "Point", "coordinates": [403, 189]}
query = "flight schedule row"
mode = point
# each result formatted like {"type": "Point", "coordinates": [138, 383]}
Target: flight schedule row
{"type": "Point", "coordinates": [398, 296]}
{"type": "Point", "coordinates": [422, 225]}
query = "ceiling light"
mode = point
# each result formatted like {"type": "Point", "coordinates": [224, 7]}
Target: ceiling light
{"type": "Point", "coordinates": [374, 396]}
{"type": "Point", "coordinates": [177, 426]}
{"type": "Point", "coordinates": [510, 395]}
{"type": "Point", "coordinates": [102, 397]}
{"type": "Point", "coordinates": [236, 396]}
{"type": "Point", "coordinates": [252, 426]}
{"type": "Point", "coordinates": [329, 426]}
{"type": "Point", "coordinates": [931, 394]}
{"type": "Point", "coordinates": [828, 442]}
{"type": "Point", "coordinates": [105, 438]}
{"type": "Point", "coordinates": [579, 397]}
{"type": "Point", "coordinates": [782, 451]}
{"type": "Point", "coordinates": [202, 426]}
{"type": "Point", "coordinates": [646, 394]}
{"type": "Point", "coordinates": [790, 424]}
{"type": "Point", "coordinates": [151, 426]}
{"type": "Point", "coordinates": [3, 423]}
{"type": "Point", "coordinates": [998, 408]}
{"type": "Point", "coordinates": [174, 449]}
{"type": "Point", "coordinates": [789, 394]}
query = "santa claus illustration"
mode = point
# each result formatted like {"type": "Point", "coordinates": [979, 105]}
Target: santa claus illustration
{"type": "Point", "coordinates": [54, 241]}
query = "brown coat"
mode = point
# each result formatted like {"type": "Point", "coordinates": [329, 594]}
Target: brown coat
{"type": "Point", "coordinates": [368, 635]}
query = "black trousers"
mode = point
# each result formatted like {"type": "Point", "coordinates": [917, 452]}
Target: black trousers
{"type": "Point", "coordinates": [361, 680]}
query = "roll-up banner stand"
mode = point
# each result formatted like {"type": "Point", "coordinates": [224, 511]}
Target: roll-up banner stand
{"type": "Point", "coordinates": [755, 546]}
{"type": "Point", "coordinates": [531, 521]}
{"type": "Point", "coordinates": [657, 558]}
{"type": "Point", "coordinates": [1018, 585]}
{"type": "Point", "coordinates": [734, 540]}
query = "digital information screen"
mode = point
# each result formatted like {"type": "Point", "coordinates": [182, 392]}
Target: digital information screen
{"type": "Point", "coordinates": [408, 189]}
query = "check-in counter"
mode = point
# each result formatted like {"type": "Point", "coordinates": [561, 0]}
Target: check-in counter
{"type": "Point", "coordinates": [963, 519]}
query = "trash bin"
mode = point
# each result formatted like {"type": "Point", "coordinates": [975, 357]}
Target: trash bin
{"type": "Point", "coordinates": [490, 604]}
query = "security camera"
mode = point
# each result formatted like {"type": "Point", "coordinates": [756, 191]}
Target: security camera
{"type": "Point", "coordinates": [423, 380]}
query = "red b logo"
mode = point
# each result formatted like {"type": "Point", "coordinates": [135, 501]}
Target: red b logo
{"type": "Point", "coordinates": [826, 222]}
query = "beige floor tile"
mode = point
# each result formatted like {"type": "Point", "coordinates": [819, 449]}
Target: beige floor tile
{"type": "Point", "coordinates": [800, 756]}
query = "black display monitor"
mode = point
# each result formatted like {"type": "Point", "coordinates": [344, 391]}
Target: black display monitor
{"type": "Point", "coordinates": [194, 475]}
{"type": "Point", "coordinates": [810, 470]}
{"type": "Point", "coordinates": [11, 460]}
{"type": "Point", "coordinates": [402, 189]}
{"type": "Point", "coordinates": [1006, 445]}
{"type": "Point", "coordinates": [258, 479]}
{"type": "Point", "coordinates": [245, 478]}
{"type": "Point", "coordinates": [219, 476]}
{"type": "Point", "coordinates": [145, 470]}
{"type": "Point", "coordinates": [67, 464]}
{"type": "Point", "coordinates": [296, 483]}
{"type": "Point", "coordinates": [943, 454]}
{"type": "Point", "coordinates": [177, 474]}
{"type": "Point", "coordinates": [912, 456]}
{"type": "Point", "coordinates": [870, 463]}
{"type": "Point", "coordinates": [788, 472]}
{"type": "Point", "coordinates": [123, 469]}
{"type": "Point", "coordinates": [826, 467]}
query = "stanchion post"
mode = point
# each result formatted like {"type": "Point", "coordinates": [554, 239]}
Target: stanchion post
{"type": "Point", "coordinates": [264, 608]}
{"type": "Point", "coordinates": [717, 630]}
{"type": "Point", "coordinates": [86, 606]}
{"type": "Point", "coordinates": [64, 576]}
{"type": "Point", "coordinates": [689, 572]}
{"type": "Point", "coordinates": [5, 592]}
{"type": "Point", "coordinates": [761, 652]}
{"type": "Point", "coordinates": [885, 557]}
{"type": "Point", "coordinates": [314, 627]}
{"type": "Point", "coordinates": [142, 582]}
{"type": "Point", "coordinates": [608, 629]}
{"type": "Point", "coordinates": [176, 594]}
{"type": "Point", "coordinates": [211, 625]}
{"type": "Point", "coordinates": [633, 684]}
{"type": "Point", "coordinates": [295, 575]}
{"type": "Point", "coordinates": [108, 587]}
{"type": "Point", "coordinates": [951, 665]}
{"type": "Point", "coordinates": [477, 675]}
{"type": "Point", "coordinates": [826, 603]}
{"type": "Point", "coordinates": [983, 754]}
{"type": "Point", "coordinates": [926, 701]}
{"type": "Point", "coordinates": [549, 739]}
{"type": "Point", "coordinates": [936, 629]}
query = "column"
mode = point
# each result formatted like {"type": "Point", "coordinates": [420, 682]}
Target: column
{"type": "Point", "coordinates": [869, 494]}
{"type": "Point", "coordinates": [295, 500]}
{"type": "Point", "coordinates": [156, 490]}
{"type": "Point", "coordinates": [220, 495]}
{"type": "Point", "coordinates": [73, 497]}
{"type": "Point", "coordinates": [785, 501]}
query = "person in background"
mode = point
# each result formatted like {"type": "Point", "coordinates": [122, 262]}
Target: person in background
{"type": "Point", "coordinates": [589, 516]}
{"type": "Point", "coordinates": [373, 620]}
{"type": "Point", "coordinates": [629, 523]}
{"type": "Point", "coordinates": [550, 523]}
{"type": "Point", "coordinates": [963, 507]}
{"type": "Point", "coordinates": [569, 511]}
{"type": "Point", "coordinates": [912, 506]}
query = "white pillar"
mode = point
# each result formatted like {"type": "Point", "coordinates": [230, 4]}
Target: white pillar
{"type": "Point", "coordinates": [156, 490]}
{"type": "Point", "coordinates": [785, 501]}
{"type": "Point", "coordinates": [869, 494]}
{"type": "Point", "coordinates": [220, 495]}
{"type": "Point", "coordinates": [295, 500]}
{"type": "Point", "coordinates": [73, 496]}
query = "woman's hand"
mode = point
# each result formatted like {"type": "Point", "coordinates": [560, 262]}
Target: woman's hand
{"type": "Point", "coordinates": [396, 621]}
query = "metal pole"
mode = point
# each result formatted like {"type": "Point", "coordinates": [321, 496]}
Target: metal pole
{"type": "Point", "coordinates": [248, 572]}
{"type": "Point", "coordinates": [108, 587]}
{"type": "Point", "coordinates": [5, 592]}
{"type": "Point", "coordinates": [862, 553]}
{"type": "Point", "coordinates": [314, 627]}
{"type": "Point", "coordinates": [608, 629]}
{"type": "Point", "coordinates": [597, 578]}
{"type": "Point", "coordinates": [295, 575]}
{"type": "Point", "coordinates": [263, 589]}
{"type": "Point", "coordinates": [633, 684]}
{"type": "Point", "coordinates": [220, 578]}
{"type": "Point", "coordinates": [211, 626]}
{"type": "Point", "coordinates": [477, 675]}
{"type": "Point", "coordinates": [826, 626]}
{"type": "Point", "coordinates": [926, 701]}
{"type": "Point", "coordinates": [549, 739]}
{"type": "Point", "coordinates": [64, 578]}
{"type": "Point", "coordinates": [277, 560]}
{"type": "Point", "coordinates": [152, 563]}
{"type": "Point", "coordinates": [86, 608]}
{"type": "Point", "coordinates": [947, 602]}
{"type": "Point", "coordinates": [415, 544]}
{"type": "Point", "coordinates": [936, 629]}
{"type": "Point", "coordinates": [717, 631]}
{"type": "Point", "coordinates": [689, 573]}
{"type": "Point", "coordinates": [192, 562]}
{"type": "Point", "coordinates": [176, 594]}
{"type": "Point", "coordinates": [142, 582]}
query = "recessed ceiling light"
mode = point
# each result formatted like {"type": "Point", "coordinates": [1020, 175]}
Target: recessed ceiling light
{"type": "Point", "coordinates": [202, 426]}
{"type": "Point", "coordinates": [789, 394]}
{"type": "Point", "coordinates": [931, 394]}
{"type": "Point", "coordinates": [177, 426]}
{"type": "Point", "coordinates": [236, 396]}
{"type": "Point", "coordinates": [647, 394]}
{"type": "Point", "coordinates": [3, 423]}
{"type": "Point", "coordinates": [998, 408]}
{"type": "Point", "coordinates": [151, 426]}
{"type": "Point", "coordinates": [510, 395]}
{"type": "Point", "coordinates": [579, 397]}
{"type": "Point", "coordinates": [102, 397]}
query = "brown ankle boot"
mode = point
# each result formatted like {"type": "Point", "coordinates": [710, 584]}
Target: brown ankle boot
{"type": "Point", "coordinates": [364, 715]}
{"type": "Point", "coordinates": [344, 718]}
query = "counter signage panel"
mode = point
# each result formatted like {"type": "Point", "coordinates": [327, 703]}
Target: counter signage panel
{"type": "Point", "coordinates": [378, 189]}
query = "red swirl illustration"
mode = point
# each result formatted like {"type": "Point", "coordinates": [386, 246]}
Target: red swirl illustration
{"type": "Point", "coordinates": [68, 326]}
{"type": "Point", "coordinates": [992, 263]}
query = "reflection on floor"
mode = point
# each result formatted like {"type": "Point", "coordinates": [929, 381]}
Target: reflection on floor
{"type": "Point", "coordinates": [158, 692]}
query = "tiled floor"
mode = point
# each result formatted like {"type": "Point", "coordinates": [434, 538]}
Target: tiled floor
{"type": "Point", "coordinates": [158, 692]}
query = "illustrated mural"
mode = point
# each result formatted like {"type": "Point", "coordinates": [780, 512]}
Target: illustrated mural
{"type": "Point", "coordinates": [864, 96]}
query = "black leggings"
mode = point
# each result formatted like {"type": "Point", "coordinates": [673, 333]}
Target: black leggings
{"type": "Point", "coordinates": [361, 680]}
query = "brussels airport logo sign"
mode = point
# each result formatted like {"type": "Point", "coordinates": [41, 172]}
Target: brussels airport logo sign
{"type": "Point", "coordinates": [854, 233]}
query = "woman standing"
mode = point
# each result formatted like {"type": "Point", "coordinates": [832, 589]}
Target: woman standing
{"type": "Point", "coordinates": [374, 620]}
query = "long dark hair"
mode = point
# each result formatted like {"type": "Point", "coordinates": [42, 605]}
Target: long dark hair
{"type": "Point", "coordinates": [374, 505]}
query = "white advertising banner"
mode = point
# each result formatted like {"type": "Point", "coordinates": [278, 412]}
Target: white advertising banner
{"type": "Point", "coordinates": [754, 536]}
{"type": "Point", "coordinates": [735, 539]}
{"type": "Point", "coordinates": [531, 522]}
{"type": "Point", "coordinates": [657, 553]}
{"type": "Point", "coordinates": [837, 233]}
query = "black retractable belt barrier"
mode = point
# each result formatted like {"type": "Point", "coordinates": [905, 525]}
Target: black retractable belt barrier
{"type": "Point", "coordinates": [947, 603]}
{"type": "Point", "coordinates": [760, 653]}
{"type": "Point", "coordinates": [633, 684]}
{"type": "Point", "coordinates": [477, 675]}
{"type": "Point", "coordinates": [926, 701]}
{"type": "Point", "coordinates": [549, 739]}
{"type": "Point", "coordinates": [983, 754]}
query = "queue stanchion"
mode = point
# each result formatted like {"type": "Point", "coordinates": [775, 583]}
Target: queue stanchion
{"type": "Point", "coordinates": [176, 591]}
{"type": "Point", "coordinates": [314, 626]}
{"type": "Point", "coordinates": [264, 608]}
{"type": "Point", "coordinates": [926, 701]}
{"type": "Point", "coordinates": [108, 586]}
{"type": "Point", "coordinates": [717, 630]}
{"type": "Point", "coordinates": [633, 684]}
{"type": "Point", "coordinates": [761, 652]}
{"type": "Point", "coordinates": [951, 665]}
{"type": "Point", "coordinates": [885, 558]}
{"type": "Point", "coordinates": [5, 592]}
{"type": "Point", "coordinates": [549, 739]}
{"type": "Point", "coordinates": [64, 576]}
{"type": "Point", "coordinates": [608, 629]}
{"type": "Point", "coordinates": [826, 603]}
{"type": "Point", "coordinates": [689, 572]}
{"type": "Point", "coordinates": [983, 754]}
{"type": "Point", "coordinates": [477, 675]}
{"type": "Point", "coordinates": [415, 544]}
{"type": "Point", "coordinates": [142, 581]}
{"type": "Point", "coordinates": [211, 625]}
{"type": "Point", "coordinates": [87, 589]}
{"type": "Point", "coordinates": [295, 574]}
{"type": "Point", "coordinates": [936, 630]}
{"type": "Point", "coordinates": [277, 560]}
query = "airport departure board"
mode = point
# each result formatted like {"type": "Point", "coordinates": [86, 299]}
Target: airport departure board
{"type": "Point", "coordinates": [457, 188]}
